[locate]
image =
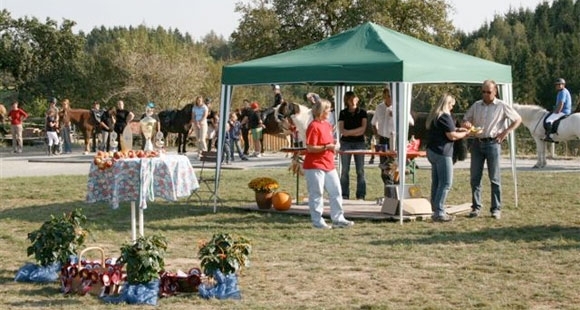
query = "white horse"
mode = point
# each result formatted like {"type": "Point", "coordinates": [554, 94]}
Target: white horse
{"type": "Point", "coordinates": [533, 118]}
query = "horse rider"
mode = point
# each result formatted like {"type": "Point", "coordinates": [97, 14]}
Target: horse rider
{"type": "Point", "coordinates": [562, 107]}
{"type": "Point", "coordinates": [277, 101]}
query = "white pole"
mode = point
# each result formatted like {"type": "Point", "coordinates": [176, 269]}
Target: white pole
{"type": "Point", "coordinates": [133, 222]}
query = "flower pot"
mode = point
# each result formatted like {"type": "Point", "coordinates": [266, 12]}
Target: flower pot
{"type": "Point", "coordinates": [264, 200]}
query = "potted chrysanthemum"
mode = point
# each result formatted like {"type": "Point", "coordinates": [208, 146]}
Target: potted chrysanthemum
{"type": "Point", "coordinates": [264, 187]}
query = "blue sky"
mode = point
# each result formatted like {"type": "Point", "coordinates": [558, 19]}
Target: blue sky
{"type": "Point", "coordinates": [199, 17]}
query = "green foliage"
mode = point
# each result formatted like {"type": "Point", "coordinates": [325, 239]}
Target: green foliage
{"type": "Point", "coordinates": [270, 27]}
{"type": "Point", "coordinates": [58, 239]}
{"type": "Point", "coordinates": [224, 252]}
{"type": "Point", "coordinates": [540, 45]}
{"type": "Point", "coordinates": [144, 259]}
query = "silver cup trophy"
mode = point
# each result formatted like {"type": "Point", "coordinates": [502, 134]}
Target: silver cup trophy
{"type": "Point", "coordinates": [159, 143]}
{"type": "Point", "coordinates": [113, 144]}
{"type": "Point", "coordinates": [147, 127]}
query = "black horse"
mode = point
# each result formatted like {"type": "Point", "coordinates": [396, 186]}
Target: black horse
{"type": "Point", "coordinates": [177, 121]}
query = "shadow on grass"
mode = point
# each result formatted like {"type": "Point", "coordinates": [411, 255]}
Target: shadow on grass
{"type": "Point", "coordinates": [536, 233]}
{"type": "Point", "coordinates": [42, 295]}
{"type": "Point", "coordinates": [102, 216]}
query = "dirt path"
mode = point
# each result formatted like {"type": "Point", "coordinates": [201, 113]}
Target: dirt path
{"type": "Point", "coordinates": [34, 162]}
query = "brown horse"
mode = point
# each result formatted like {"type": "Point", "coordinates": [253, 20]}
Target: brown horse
{"type": "Point", "coordinates": [3, 117]}
{"type": "Point", "coordinates": [83, 121]}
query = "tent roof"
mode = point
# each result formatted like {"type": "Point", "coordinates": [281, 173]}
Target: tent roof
{"type": "Point", "coordinates": [367, 54]}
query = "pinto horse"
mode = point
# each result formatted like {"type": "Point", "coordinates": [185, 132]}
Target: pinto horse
{"type": "Point", "coordinates": [177, 121]}
{"type": "Point", "coordinates": [533, 118]}
{"type": "Point", "coordinates": [83, 121]}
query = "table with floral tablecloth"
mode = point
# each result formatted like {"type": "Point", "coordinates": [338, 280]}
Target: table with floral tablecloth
{"type": "Point", "coordinates": [141, 179]}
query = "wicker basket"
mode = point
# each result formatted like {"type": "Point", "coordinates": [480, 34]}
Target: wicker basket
{"type": "Point", "coordinates": [98, 278]}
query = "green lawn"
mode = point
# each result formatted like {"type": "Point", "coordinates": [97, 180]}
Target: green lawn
{"type": "Point", "coordinates": [527, 260]}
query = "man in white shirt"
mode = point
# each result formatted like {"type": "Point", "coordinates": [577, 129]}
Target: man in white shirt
{"type": "Point", "coordinates": [383, 125]}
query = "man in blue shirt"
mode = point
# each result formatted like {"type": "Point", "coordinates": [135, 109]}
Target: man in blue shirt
{"type": "Point", "coordinates": [562, 107]}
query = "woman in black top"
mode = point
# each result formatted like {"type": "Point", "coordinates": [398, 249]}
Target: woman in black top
{"type": "Point", "coordinates": [352, 123]}
{"type": "Point", "coordinates": [122, 118]}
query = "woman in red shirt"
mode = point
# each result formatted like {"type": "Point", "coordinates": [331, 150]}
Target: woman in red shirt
{"type": "Point", "coordinates": [320, 171]}
{"type": "Point", "coordinates": [17, 116]}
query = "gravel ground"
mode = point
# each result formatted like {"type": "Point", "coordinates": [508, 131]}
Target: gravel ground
{"type": "Point", "coordinates": [33, 162]}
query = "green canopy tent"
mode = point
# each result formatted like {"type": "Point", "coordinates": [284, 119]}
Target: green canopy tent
{"type": "Point", "coordinates": [368, 54]}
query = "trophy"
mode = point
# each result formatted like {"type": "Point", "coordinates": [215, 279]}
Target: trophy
{"type": "Point", "coordinates": [147, 127]}
{"type": "Point", "coordinates": [113, 144]}
{"type": "Point", "coordinates": [159, 143]}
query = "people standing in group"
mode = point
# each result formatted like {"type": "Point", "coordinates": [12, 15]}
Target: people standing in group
{"type": "Point", "coordinates": [198, 123]}
{"type": "Point", "coordinates": [244, 115]}
{"type": "Point", "coordinates": [150, 111]}
{"type": "Point", "coordinates": [352, 124]}
{"type": "Point", "coordinates": [256, 127]}
{"type": "Point", "coordinates": [17, 116]}
{"type": "Point", "coordinates": [65, 128]}
{"type": "Point", "coordinates": [235, 128]}
{"type": "Point", "coordinates": [562, 107]}
{"type": "Point", "coordinates": [106, 127]}
{"type": "Point", "coordinates": [123, 117]}
{"type": "Point", "coordinates": [319, 169]}
{"type": "Point", "coordinates": [51, 132]}
{"type": "Point", "coordinates": [96, 114]}
{"type": "Point", "coordinates": [442, 133]}
{"type": "Point", "coordinates": [212, 124]}
{"type": "Point", "coordinates": [490, 115]}
{"type": "Point", "coordinates": [383, 126]}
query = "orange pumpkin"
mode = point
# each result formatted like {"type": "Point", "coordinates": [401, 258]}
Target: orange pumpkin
{"type": "Point", "coordinates": [281, 201]}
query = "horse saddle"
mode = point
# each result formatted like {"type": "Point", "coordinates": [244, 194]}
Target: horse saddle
{"type": "Point", "coordinates": [554, 128]}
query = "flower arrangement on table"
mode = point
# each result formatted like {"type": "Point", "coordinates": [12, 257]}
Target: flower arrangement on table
{"type": "Point", "coordinates": [264, 185]}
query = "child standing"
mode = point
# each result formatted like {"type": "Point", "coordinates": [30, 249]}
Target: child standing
{"type": "Point", "coordinates": [234, 136]}
{"type": "Point", "coordinates": [227, 154]}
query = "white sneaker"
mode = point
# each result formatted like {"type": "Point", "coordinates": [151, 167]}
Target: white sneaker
{"type": "Point", "coordinates": [343, 224]}
{"type": "Point", "coordinates": [321, 226]}
{"type": "Point", "coordinates": [258, 155]}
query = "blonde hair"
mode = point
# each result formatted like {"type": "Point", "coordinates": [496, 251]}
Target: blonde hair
{"type": "Point", "coordinates": [443, 106]}
{"type": "Point", "coordinates": [319, 107]}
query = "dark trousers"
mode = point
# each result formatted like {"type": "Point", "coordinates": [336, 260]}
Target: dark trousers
{"type": "Point", "coordinates": [385, 161]}
{"type": "Point", "coordinates": [246, 139]}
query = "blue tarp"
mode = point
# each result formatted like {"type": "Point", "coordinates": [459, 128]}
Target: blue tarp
{"type": "Point", "coordinates": [38, 274]}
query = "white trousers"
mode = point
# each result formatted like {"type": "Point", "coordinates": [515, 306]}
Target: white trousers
{"type": "Point", "coordinates": [52, 138]}
{"type": "Point", "coordinates": [317, 181]}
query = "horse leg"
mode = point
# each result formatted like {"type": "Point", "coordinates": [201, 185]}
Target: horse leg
{"type": "Point", "coordinates": [541, 150]}
{"type": "Point", "coordinates": [183, 142]}
{"type": "Point", "coordinates": [179, 147]}
{"type": "Point", "coordinates": [87, 137]}
{"type": "Point", "coordinates": [290, 143]}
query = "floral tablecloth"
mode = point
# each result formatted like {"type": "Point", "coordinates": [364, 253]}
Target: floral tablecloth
{"type": "Point", "coordinates": [142, 179]}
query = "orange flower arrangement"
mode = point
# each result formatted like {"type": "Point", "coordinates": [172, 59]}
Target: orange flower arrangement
{"type": "Point", "coordinates": [264, 185]}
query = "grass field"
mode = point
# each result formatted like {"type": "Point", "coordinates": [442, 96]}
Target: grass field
{"type": "Point", "coordinates": [527, 260]}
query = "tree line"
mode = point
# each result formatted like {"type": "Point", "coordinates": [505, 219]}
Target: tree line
{"type": "Point", "coordinates": [39, 60]}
